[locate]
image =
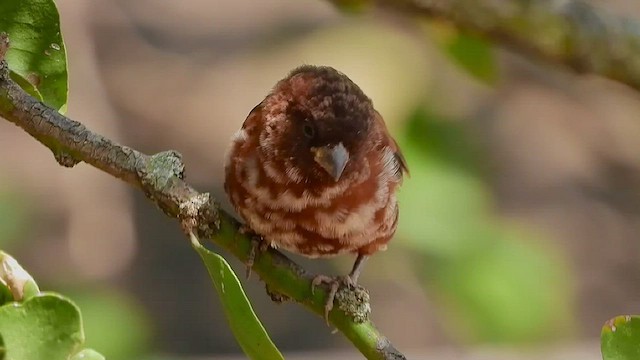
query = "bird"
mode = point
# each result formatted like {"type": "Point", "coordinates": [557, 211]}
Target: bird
{"type": "Point", "coordinates": [314, 171]}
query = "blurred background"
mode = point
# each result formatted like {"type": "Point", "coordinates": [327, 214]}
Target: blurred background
{"type": "Point", "coordinates": [519, 224]}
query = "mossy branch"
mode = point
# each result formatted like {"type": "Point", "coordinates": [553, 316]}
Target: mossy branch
{"type": "Point", "coordinates": [572, 33]}
{"type": "Point", "coordinates": [160, 177]}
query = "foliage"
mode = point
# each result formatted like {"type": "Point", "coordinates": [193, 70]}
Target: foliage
{"type": "Point", "coordinates": [620, 338]}
{"type": "Point", "coordinates": [494, 281]}
{"type": "Point", "coordinates": [37, 56]}
{"type": "Point", "coordinates": [113, 322]}
{"type": "Point", "coordinates": [471, 53]}
{"type": "Point", "coordinates": [246, 327]}
{"type": "Point", "coordinates": [36, 325]}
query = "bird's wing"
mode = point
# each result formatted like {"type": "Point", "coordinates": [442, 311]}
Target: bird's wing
{"type": "Point", "coordinates": [402, 162]}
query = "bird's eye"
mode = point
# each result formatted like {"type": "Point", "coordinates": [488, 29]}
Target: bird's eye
{"type": "Point", "coordinates": [308, 131]}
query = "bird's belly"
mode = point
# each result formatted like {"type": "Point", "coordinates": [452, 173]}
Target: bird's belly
{"type": "Point", "coordinates": [321, 231]}
{"type": "Point", "coordinates": [353, 215]}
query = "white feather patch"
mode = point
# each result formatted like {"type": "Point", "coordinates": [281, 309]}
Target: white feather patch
{"type": "Point", "coordinates": [280, 221]}
{"type": "Point", "coordinates": [288, 240]}
{"type": "Point", "coordinates": [390, 163]}
{"type": "Point", "coordinates": [287, 201]}
{"type": "Point", "coordinates": [293, 173]}
{"type": "Point", "coordinates": [272, 173]}
{"type": "Point", "coordinates": [256, 222]}
{"type": "Point", "coordinates": [240, 136]}
{"type": "Point", "coordinates": [338, 226]}
{"type": "Point", "coordinates": [236, 141]}
{"type": "Point", "coordinates": [251, 168]}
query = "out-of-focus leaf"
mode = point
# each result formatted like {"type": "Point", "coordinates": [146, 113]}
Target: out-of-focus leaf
{"type": "Point", "coordinates": [473, 54]}
{"type": "Point", "coordinates": [37, 50]}
{"type": "Point", "coordinates": [620, 338]}
{"type": "Point", "coordinates": [44, 327]}
{"type": "Point", "coordinates": [442, 209]}
{"type": "Point", "coordinates": [509, 291]}
{"type": "Point", "coordinates": [113, 323]}
{"type": "Point", "coordinates": [16, 279]}
{"type": "Point", "coordinates": [443, 140]}
{"type": "Point", "coordinates": [353, 6]}
{"type": "Point", "coordinates": [3, 349]}
{"type": "Point", "coordinates": [444, 203]}
{"type": "Point", "coordinates": [244, 323]}
{"type": "Point", "coordinates": [495, 283]}
{"type": "Point", "coordinates": [13, 215]}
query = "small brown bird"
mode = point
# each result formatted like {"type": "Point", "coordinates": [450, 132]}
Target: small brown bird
{"type": "Point", "coordinates": [314, 171]}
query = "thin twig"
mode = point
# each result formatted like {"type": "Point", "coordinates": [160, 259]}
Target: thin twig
{"type": "Point", "coordinates": [4, 44]}
{"type": "Point", "coordinates": [160, 177]}
{"type": "Point", "coordinates": [572, 33]}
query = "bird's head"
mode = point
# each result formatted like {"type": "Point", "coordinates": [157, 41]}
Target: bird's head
{"type": "Point", "coordinates": [317, 125]}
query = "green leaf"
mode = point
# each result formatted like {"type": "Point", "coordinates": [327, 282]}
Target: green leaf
{"type": "Point", "coordinates": [3, 349]}
{"type": "Point", "coordinates": [45, 327]}
{"type": "Point", "coordinates": [620, 338]}
{"type": "Point", "coordinates": [5, 294]}
{"type": "Point", "coordinates": [37, 51]}
{"type": "Point", "coordinates": [472, 53]}
{"type": "Point", "coordinates": [26, 85]}
{"type": "Point", "coordinates": [88, 354]}
{"type": "Point", "coordinates": [16, 279]}
{"type": "Point", "coordinates": [112, 322]}
{"type": "Point", "coordinates": [244, 323]}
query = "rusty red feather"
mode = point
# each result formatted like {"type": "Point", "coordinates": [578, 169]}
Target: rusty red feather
{"type": "Point", "coordinates": [313, 170]}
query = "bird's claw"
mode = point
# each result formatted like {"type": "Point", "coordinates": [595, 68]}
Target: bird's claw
{"type": "Point", "coordinates": [258, 246]}
{"type": "Point", "coordinates": [334, 283]}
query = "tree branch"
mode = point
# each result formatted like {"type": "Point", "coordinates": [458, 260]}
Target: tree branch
{"type": "Point", "coordinates": [572, 33]}
{"type": "Point", "coordinates": [160, 176]}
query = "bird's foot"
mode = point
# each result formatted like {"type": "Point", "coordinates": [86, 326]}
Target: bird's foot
{"type": "Point", "coordinates": [258, 246]}
{"type": "Point", "coordinates": [276, 297]}
{"type": "Point", "coordinates": [334, 283]}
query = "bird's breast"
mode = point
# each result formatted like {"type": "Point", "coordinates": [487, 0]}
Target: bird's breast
{"type": "Point", "coordinates": [347, 216]}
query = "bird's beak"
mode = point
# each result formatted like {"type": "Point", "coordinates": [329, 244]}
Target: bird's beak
{"type": "Point", "coordinates": [333, 159]}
